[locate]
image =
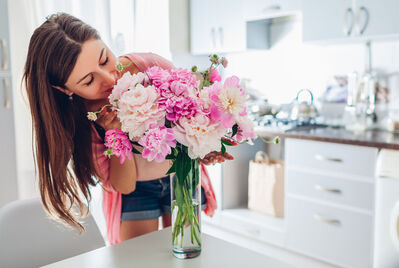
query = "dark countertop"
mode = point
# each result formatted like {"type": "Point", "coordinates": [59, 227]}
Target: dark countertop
{"type": "Point", "coordinates": [370, 138]}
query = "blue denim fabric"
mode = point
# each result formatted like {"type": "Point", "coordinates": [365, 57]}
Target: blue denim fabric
{"type": "Point", "coordinates": [150, 200]}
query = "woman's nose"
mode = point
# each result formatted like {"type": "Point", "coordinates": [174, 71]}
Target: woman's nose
{"type": "Point", "coordinates": [109, 77]}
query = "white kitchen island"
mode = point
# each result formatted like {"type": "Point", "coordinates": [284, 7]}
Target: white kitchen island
{"type": "Point", "coordinates": [155, 250]}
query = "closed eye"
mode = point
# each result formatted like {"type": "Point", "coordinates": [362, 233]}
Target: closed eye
{"type": "Point", "coordinates": [91, 81]}
{"type": "Point", "coordinates": [105, 62]}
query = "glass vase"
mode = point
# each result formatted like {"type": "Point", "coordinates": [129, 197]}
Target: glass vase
{"type": "Point", "coordinates": [186, 213]}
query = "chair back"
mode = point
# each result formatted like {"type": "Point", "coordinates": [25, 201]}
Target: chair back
{"type": "Point", "coordinates": [30, 238]}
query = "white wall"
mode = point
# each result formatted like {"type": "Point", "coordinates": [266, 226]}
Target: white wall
{"type": "Point", "coordinates": [290, 65]}
{"type": "Point", "coordinates": [22, 21]}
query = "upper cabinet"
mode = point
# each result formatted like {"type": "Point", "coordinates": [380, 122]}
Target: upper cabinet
{"type": "Point", "coordinates": [217, 26]}
{"type": "Point", "coordinates": [342, 20]}
{"type": "Point", "coordinates": [4, 38]}
{"type": "Point", "coordinates": [262, 9]}
{"type": "Point", "coordinates": [234, 25]}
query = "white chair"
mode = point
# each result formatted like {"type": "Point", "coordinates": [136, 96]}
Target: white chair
{"type": "Point", "coordinates": [30, 238]}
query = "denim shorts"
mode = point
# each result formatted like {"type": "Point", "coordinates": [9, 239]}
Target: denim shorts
{"type": "Point", "coordinates": [149, 200]}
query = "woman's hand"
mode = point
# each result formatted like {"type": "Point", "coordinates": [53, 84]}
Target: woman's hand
{"type": "Point", "coordinates": [107, 119]}
{"type": "Point", "coordinates": [218, 157]}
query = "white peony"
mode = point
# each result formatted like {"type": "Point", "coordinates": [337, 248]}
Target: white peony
{"type": "Point", "coordinates": [199, 134]}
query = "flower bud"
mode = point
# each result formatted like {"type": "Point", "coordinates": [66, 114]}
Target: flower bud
{"type": "Point", "coordinates": [224, 62]}
{"type": "Point", "coordinates": [91, 116]}
{"type": "Point", "coordinates": [119, 67]}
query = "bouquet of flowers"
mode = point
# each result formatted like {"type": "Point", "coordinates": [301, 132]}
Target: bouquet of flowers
{"type": "Point", "coordinates": [180, 115]}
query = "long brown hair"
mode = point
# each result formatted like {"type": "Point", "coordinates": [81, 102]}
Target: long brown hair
{"type": "Point", "coordinates": [62, 132]}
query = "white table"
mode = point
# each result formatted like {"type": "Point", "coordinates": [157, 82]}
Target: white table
{"type": "Point", "coordinates": [155, 250]}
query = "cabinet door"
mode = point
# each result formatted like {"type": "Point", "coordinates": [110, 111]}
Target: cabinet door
{"type": "Point", "coordinates": [377, 18]}
{"type": "Point", "coordinates": [203, 23]}
{"type": "Point", "coordinates": [8, 166]}
{"type": "Point", "coordinates": [333, 234]}
{"type": "Point", "coordinates": [255, 9]}
{"type": "Point", "coordinates": [327, 19]}
{"type": "Point", "coordinates": [4, 38]}
{"type": "Point", "coordinates": [232, 31]}
{"type": "Point", "coordinates": [216, 26]}
{"type": "Point", "coordinates": [8, 176]}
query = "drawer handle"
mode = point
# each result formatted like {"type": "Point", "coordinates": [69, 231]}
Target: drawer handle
{"type": "Point", "coordinates": [325, 158]}
{"type": "Point", "coordinates": [6, 84]}
{"type": "Point", "coordinates": [253, 231]}
{"type": "Point", "coordinates": [325, 189]}
{"type": "Point", "coordinates": [327, 220]}
{"type": "Point", "coordinates": [4, 48]}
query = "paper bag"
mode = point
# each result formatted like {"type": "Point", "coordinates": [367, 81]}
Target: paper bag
{"type": "Point", "coordinates": [266, 185]}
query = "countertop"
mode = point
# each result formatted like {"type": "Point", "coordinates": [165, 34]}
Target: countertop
{"type": "Point", "coordinates": [155, 250]}
{"type": "Point", "coordinates": [370, 138]}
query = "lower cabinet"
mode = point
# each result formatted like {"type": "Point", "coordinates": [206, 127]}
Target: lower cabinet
{"type": "Point", "coordinates": [329, 205]}
{"type": "Point", "coordinates": [336, 235]}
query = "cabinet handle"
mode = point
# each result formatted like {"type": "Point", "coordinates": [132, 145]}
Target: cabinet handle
{"type": "Point", "coordinates": [221, 35]}
{"type": "Point", "coordinates": [4, 49]}
{"type": "Point", "coordinates": [324, 158]}
{"type": "Point", "coordinates": [348, 27]}
{"type": "Point", "coordinates": [253, 231]}
{"type": "Point", "coordinates": [213, 33]}
{"type": "Point", "coordinates": [327, 220]}
{"type": "Point", "coordinates": [272, 8]}
{"type": "Point", "coordinates": [6, 84]}
{"type": "Point", "coordinates": [360, 30]}
{"type": "Point", "coordinates": [325, 189]}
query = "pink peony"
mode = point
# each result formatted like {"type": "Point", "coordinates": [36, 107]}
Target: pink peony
{"type": "Point", "coordinates": [199, 134]}
{"type": "Point", "coordinates": [228, 101]}
{"type": "Point", "coordinates": [123, 84]}
{"type": "Point", "coordinates": [120, 145]}
{"type": "Point", "coordinates": [157, 142]}
{"type": "Point", "coordinates": [215, 76]}
{"type": "Point", "coordinates": [177, 107]}
{"type": "Point", "coordinates": [138, 109]}
{"type": "Point", "coordinates": [245, 130]}
{"type": "Point", "coordinates": [184, 76]}
{"type": "Point", "coordinates": [158, 76]}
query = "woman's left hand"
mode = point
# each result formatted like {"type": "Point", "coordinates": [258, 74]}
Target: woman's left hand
{"type": "Point", "coordinates": [213, 158]}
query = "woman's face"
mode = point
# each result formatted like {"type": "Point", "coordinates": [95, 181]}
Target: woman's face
{"type": "Point", "coordinates": [94, 73]}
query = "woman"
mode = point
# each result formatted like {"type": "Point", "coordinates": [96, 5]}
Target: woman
{"type": "Point", "coordinates": [70, 71]}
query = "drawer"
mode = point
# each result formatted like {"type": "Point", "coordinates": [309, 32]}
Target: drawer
{"type": "Point", "coordinates": [334, 157]}
{"type": "Point", "coordinates": [329, 188]}
{"type": "Point", "coordinates": [335, 235]}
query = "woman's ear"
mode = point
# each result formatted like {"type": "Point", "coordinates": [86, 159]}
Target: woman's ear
{"type": "Point", "coordinates": [64, 90]}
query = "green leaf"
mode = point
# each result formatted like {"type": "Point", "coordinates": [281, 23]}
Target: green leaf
{"type": "Point", "coordinates": [170, 156]}
{"type": "Point", "coordinates": [178, 194]}
{"type": "Point", "coordinates": [172, 168]}
{"type": "Point", "coordinates": [223, 149]}
{"type": "Point", "coordinates": [235, 130]}
{"type": "Point", "coordinates": [183, 166]}
{"type": "Point", "coordinates": [225, 142]}
{"type": "Point", "coordinates": [134, 150]}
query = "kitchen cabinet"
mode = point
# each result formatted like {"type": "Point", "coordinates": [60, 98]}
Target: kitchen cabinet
{"type": "Point", "coordinates": [262, 9]}
{"type": "Point", "coordinates": [217, 26]}
{"type": "Point", "coordinates": [330, 201]}
{"type": "Point", "coordinates": [231, 26]}
{"type": "Point", "coordinates": [8, 177]}
{"type": "Point", "coordinates": [349, 20]}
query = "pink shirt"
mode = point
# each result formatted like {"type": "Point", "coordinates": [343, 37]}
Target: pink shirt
{"type": "Point", "coordinates": [112, 199]}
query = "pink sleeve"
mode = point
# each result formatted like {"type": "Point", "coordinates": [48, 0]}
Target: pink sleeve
{"type": "Point", "coordinates": [112, 199]}
{"type": "Point", "coordinates": [211, 205]}
{"type": "Point", "coordinates": [146, 60]}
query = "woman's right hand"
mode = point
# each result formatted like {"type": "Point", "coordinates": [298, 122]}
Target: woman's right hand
{"type": "Point", "coordinates": [107, 119]}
